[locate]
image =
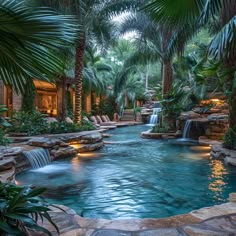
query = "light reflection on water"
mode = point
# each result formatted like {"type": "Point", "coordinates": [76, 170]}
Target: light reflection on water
{"type": "Point", "coordinates": [217, 178]}
{"type": "Point", "coordinates": [136, 178]}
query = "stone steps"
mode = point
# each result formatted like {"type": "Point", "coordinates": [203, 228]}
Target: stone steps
{"type": "Point", "coordinates": [128, 115]}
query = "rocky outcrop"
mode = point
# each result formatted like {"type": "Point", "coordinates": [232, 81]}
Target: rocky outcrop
{"type": "Point", "coordinates": [7, 170]}
{"type": "Point", "coordinates": [8, 163]}
{"type": "Point", "coordinates": [79, 138]}
{"type": "Point", "coordinates": [217, 126]}
{"type": "Point", "coordinates": [149, 135]}
{"type": "Point", "coordinates": [12, 160]}
{"type": "Point", "coordinates": [62, 145]}
{"type": "Point", "coordinates": [44, 142]}
{"type": "Point", "coordinates": [62, 152]}
{"type": "Point", "coordinates": [219, 152]}
{"type": "Point", "coordinates": [189, 115]}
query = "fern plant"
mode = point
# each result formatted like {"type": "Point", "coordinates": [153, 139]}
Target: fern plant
{"type": "Point", "coordinates": [20, 210]}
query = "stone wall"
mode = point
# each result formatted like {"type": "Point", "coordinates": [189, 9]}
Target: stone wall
{"type": "Point", "coordinates": [217, 126]}
{"type": "Point", "coordinates": [212, 126]}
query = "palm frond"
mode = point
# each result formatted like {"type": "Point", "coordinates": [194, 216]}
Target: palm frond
{"type": "Point", "coordinates": [29, 39]}
{"type": "Point", "coordinates": [174, 13]}
{"type": "Point", "coordinates": [223, 44]}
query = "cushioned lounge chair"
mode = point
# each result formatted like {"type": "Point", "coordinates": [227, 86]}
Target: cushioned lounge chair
{"type": "Point", "coordinates": [106, 122]}
{"type": "Point", "coordinates": [102, 124]}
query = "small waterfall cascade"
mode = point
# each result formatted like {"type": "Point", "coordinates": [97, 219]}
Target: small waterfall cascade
{"type": "Point", "coordinates": [154, 116]}
{"type": "Point", "coordinates": [187, 129]}
{"type": "Point", "coordinates": [38, 157]}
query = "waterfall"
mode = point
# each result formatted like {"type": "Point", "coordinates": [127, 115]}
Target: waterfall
{"type": "Point", "coordinates": [38, 157]}
{"type": "Point", "coordinates": [187, 128]}
{"type": "Point", "coordinates": [154, 116]}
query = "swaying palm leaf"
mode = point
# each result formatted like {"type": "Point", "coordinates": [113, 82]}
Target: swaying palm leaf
{"type": "Point", "coordinates": [224, 43]}
{"type": "Point", "coordinates": [174, 13]}
{"type": "Point", "coordinates": [29, 38]}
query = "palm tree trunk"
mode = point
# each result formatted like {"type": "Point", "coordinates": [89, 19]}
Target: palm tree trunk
{"type": "Point", "coordinates": [167, 72]}
{"type": "Point", "coordinates": [61, 99]}
{"type": "Point", "coordinates": [167, 77]}
{"type": "Point", "coordinates": [79, 79]}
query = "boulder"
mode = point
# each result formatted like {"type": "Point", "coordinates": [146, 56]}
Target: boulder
{"type": "Point", "coordinates": [11, 151]}
{"type": "Point", "coordinates": [7, 170]}
{"type": "Point", "coordinates": [63, 151]}
{"type": "Point", "coordinates": [7, 176]}
{"type": "Point", "coordinates": [189, 115]}
{"type": "Point", "coordinates": [44, 142]}
{"type": "Point", "coordinates": [218, 116]}
{"type": "Point", "coordinates": [90, 147]}
{"type": "Point", "coordinates": [232, 197]}
{"type": "Point", "coordinates": [7, 164]}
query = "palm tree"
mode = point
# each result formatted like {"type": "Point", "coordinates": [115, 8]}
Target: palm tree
{"type": "Point", "coordinates": [94, 17]}
{"type": "Point", "coordinates": [152, 42]}
{"type": "Point", "coordinates": [95, 73]}
{"type": "Point", "coordinates": [29, 38]}
{"type": "Point", "coordinates": [189, 15]}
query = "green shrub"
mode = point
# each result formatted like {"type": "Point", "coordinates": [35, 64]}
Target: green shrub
{"type": "Point", "coordinates": [21, 207]}
{"type": "Point", "coordinates": [63, 127]}
{"type": "Point", "coordinates": [230, 139]}
{"type": "Point", "coordinates": [159, 129]}
{"type": "Point", "coordinates": [32, 123]}
{"type": "Point", "coordinates": [3, 125]}
{"type": "Point", "coordinates": [3, 139]}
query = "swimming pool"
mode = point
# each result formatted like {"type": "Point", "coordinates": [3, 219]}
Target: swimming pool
{"type": "Point", "coordinates": [136, 178]}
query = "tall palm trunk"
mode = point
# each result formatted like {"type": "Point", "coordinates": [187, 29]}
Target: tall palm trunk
{"type": "Point", "coordinates": [80, 49]}
{"type": "Point", "coordinates": [61, 98]}
{"type": "Point", "coordinates": [167, 72]}
{"type": "Point", "coordinates": [167, 77]}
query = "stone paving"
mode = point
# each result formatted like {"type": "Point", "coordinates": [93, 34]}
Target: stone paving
{"type": "Point", "coordinates": [218, 220]}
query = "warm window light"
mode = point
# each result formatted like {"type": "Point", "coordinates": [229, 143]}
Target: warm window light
{"type": "Point", "coordinates": [215, 100]}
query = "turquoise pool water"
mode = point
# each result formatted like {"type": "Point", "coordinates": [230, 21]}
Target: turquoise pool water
{"type": "Point", "coordinates": [135, 178]}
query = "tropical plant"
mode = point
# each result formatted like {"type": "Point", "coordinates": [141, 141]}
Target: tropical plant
{"type": "Point", "coordinates": [64, 127]}
{"type": "Point", "coordinates": [31, 123]}
{"type": "Point", "coordinates": [29, 38]}
{"type": "Point", "coordinates": [21, 209]}
{"type": "Point", "coordinates": [95, 24]}
{"type": "Point", "coordinates": [151, 43]}
{"type": "Point", "coordinates": [3, 125]}
{"type": "Point", "coordinates": [230, 139]}
{"type": "Point", "coordinates": [172, 105]}
{"type": "Point", "coordinates": [95, 72]}
{"type": "Point", "coordinates": [3, 121]}
{"type": "Point", "coordinates": [188, 16]}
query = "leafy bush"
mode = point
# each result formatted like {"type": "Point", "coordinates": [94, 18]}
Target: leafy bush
{"type": "Point", "coordinates": [32, 123]}
{"type": "Point", "coordinates": [3, 125]}
{"type": "Point", "coordinates": [20, 209]}
{"type": "Point", "coordinates": [159, 129]}
{"type": "Point", "coordinates": [230, 139]}
{"type": "Point", "coordinates": [3, 139]}
{"type": "Point", "coordinates": [64, 127]}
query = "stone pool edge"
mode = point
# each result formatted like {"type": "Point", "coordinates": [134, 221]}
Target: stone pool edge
{"type": "Point", "coordinates": [71, 224]}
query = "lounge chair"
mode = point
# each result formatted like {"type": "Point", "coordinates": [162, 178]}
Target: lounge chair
{"type": "Point", "coordinates": [101, 122]}
{"type": "Point", "coordinates": [106, 119]}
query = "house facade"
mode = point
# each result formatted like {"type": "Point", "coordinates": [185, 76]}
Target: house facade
{"type": "Point", "coordinates": [48, 99]}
